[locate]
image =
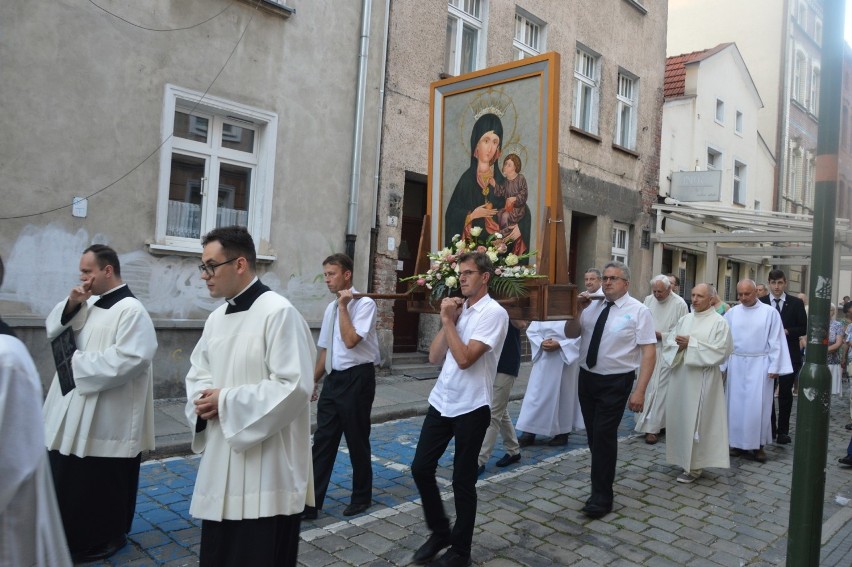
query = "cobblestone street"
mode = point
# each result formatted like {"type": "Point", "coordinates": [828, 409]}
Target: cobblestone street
{"type": "Point", "coordinates": [529, 514]}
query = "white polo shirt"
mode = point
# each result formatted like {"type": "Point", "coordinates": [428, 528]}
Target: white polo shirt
{"type": "Point", "coordinates": [458, 391]}
{"type": "Point", "coordinates": [628, 326]}
{"type": "Point", "coordinates": [363, 314]}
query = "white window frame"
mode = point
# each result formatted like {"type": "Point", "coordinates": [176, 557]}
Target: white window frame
{"type": "Point", "coordinates": [800, 79]}
{"type": "Point", "coordinates": [584, 83]}
{"type": "Point", "coordinates": [813, 103]}
{"type": "Point", "coordinates": [529, 37]}
{"type": "Point", "coordinates": [625, 131]}
{"type": "Point", "coordinates": [717, 161]}
{"type": "Point", "coordinates": [261, 161]}
{"type": "Point", "coordinates": [458, 13]}
{"type": "Point", "coordinates": [818, 31]}
{"type": "Point", "coordinates": [719, 113]}
{"type": "Point", "coordinates": [738, 123]}
{"type": "Point", "coordinates": [740, 186]}
{"type": "Point", "coordinates": [620, 243]}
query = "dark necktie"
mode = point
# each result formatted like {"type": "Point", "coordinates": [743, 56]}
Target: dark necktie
{"type": "Point", "coordinates": [592, 355]}
{"type": "Point", "coordinates": [777, 304]}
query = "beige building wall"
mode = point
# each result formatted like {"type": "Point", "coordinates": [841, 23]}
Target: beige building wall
{"type": "Point", "coordinates": [83, 110]}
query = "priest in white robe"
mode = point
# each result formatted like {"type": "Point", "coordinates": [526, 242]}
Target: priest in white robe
{"type": "Point", "coordinates": [760, 356]}
{"type": "Point", "coordinates": [697, 432]}
{"type": "Point", "coordinates": [666, 308]}
{"type": "Point", "coordinates": [248, 401]}
{"type": "Point", "coordinates": [31, 530]}
{"type": "Point", "coordinates": [551, 407]}
{"type": "Point", "coordinates": [95, 433]}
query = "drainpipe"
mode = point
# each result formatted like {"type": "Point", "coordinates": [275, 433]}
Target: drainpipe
{"type": "Point", "coordinates": [783, 127]}
{"type": "Point", "coordinates": [355, 176]}
{"type": "Point", "coordinates": [374, 232]}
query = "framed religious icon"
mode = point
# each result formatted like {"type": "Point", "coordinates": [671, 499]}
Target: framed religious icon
{"type": "Point", "coordinates": [493, 154]}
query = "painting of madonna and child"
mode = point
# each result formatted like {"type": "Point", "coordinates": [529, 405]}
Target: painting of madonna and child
{"type": "Point", "coordinates": [493, 154]}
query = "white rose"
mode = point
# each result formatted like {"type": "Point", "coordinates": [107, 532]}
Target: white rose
{"type": "Point", "coordinates": [491, 255]}
{"type": "Point", "coordinates": [460, 245]}
{"type": "Point", "coordinates": [498, 235]}
{"type": "Point", "coordinates": [446, 252]}
{"type": "Point", "coordinates": [476, 231]}
{"type": "Point", "coordinates": [451, 281]}
{"type": "Point", "coordinates": [511, 260]}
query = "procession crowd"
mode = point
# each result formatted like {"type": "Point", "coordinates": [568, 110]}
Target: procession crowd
{"type": "Point", "coordinates": [701, 375]}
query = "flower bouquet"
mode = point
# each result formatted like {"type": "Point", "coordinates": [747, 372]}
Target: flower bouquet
{"type": "Point", "coordinates": [510, 273]}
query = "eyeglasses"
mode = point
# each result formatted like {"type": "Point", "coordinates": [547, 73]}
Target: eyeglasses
{"type": "Point", "coordinates": [210, 269]}
{"type": "Point", "coordinates": [613, 278]}
{"type": "Point", "coordinates": [468, 273]}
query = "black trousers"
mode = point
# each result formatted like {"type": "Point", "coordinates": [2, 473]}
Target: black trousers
{"type": "Point", "coordinates": [261, 542]}
{"type": "Point", "coordinates": [344, 409]}
{"type": "Point", "coordinates": [602, 401]}
{"type": "Point", "coordinates": [96, 496]}
{"type": "Point", "coordinates": [468, 430]}
{"type": "Point", "coordinates": [785, 401]}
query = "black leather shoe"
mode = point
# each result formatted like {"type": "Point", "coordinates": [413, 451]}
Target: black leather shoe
{"type": "Point", "coordinates": [451, 559]}
{"type": "Point", "coordinates": [355, 509]}
{"type": "Point", "coordinates": [508, 459]}
{"type": "Point", "coordinates": [847, 460]}
{"type": "Point", "coordinates": [526, 439]}
{"type": "Point", "coordinates": [783, 439]}
{"type": "Point", "coordinates": [480, 470]}
{"type": "Point", "coordinates": [431, 548]}
{"type": "Point", "coordinates": [310, 513]}
{"type": "Point", "coordinates": [595, 511]}
{"type": "Point", "coordinates": [107, 550]}
{"type": "Point", "coordinates": [848, 426]}
{"type": "Point", "coordinates": [559, 440]}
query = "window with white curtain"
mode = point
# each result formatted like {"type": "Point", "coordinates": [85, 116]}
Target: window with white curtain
{"type": "Point", "coordinates": [625, 117]}
{"type": "Point", "coordinates": [465, 37]}
{"type": "Point", "coordinates": [586, 90]}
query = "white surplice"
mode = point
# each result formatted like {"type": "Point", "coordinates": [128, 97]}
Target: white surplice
{"type": "Point", "coordinates": [697, 431]}
{"type": "Point", "coordinates": [760, 349]}
{"type": "Point", "coordinates": [31, 530]}
{"type": "Point", "coordinates": [257, 453]}
{"type": "Point", "coordinates": [666, 314]}
{"type": "Point", "coordinates": [551, 405]}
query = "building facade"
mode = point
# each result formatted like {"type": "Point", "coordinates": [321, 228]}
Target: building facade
{"type": "Point", "coordinates": [712, 155]}
{"type": "Point", "coordinates": [169, 119]}
{"type": "Point", "coordinates": [612, 66]}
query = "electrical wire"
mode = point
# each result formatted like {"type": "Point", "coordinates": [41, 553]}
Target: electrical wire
{"type": "Point", "coordinates": [160, 29]}
{"type": "Point", "coordinates": [157, 149]}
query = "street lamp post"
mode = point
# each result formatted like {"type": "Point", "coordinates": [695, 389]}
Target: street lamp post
{"type": "Point", "coordinates": [809, 457]}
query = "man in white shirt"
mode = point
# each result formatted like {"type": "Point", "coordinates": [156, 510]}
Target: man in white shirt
{"type": "Point", "coordinates": [617, 337]}
{"type": "Point", "coordinates": [95, 433]}
{"type": "Point", "coordinates": [248, 398]}
{"type": "Point", "coordinates": [469, 343]}
{"type": "Point", "coordinates": [666, 308]}
{"type": "Point", "coordinates": [348, 352]}
{"type": "Point", "coordinates": [592, 281]}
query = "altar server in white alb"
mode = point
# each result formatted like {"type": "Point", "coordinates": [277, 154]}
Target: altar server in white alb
{"type": "Point", "coordinates": [551, 406]}
{"type": "Point", "coordinates": [697, 432]}
{"type": "Point", "coordinates": [760, 356]}
{"type": "Point", "coordinates": [30, 527]}
{"type": "Point", "coordinates": [248, 400]}
{"type": "Point", "coordinates": [96, 432]}
{"type": "Point", "coordinates": [666, 308]}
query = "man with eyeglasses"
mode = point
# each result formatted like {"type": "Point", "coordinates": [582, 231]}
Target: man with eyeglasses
{"type": "Point", "coordinates": [96, 432]}
{"type": "Point", "coordinates": [347, 357]}
{"type": "Point", "coordinates": [469, 344]}
{"type": "Point", "coordinates": [248, 400]}
{"type": "Point", "coordinates": [617, 338]}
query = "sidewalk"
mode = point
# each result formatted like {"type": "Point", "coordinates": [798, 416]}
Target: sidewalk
{"type": "Point", "coordinates": [397, 397]}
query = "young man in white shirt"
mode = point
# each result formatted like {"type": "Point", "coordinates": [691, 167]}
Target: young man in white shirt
{"type": "Point", "coordinates": [469, 343]}
{"type": "Point", "coordinates": [348, 352]}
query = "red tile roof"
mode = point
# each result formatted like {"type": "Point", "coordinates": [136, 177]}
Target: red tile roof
{"type": "Point", "coordinates": [675, 81]}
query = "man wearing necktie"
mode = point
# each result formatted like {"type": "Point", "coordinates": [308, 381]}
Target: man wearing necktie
{"type": "Point", "coordinates": [795, 320]}
{"type": "Point", "coordinates": [347, 355]}
{"type": "Point", "coordinates": [617, 338]}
